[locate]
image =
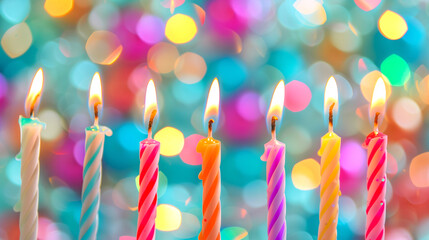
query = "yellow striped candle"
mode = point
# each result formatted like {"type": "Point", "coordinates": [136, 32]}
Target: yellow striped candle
{"type": "Point", "coordinates": [330, 170]}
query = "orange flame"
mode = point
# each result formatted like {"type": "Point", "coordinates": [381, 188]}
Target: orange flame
{"type": "Point", "coordinates": [331, 100]}
{"type": "Point", "coordinates": [276, 106]}
{"type": "Point", "coordinates": [34, 94]}
{"type": "Point", "coordinates": [150, 106]}
{"type": "Point", "coordinates": [212, 105]}
{"type": "Point", "coordinates": [378, 101]}
{"type": "Point", "coordinates": [95, 102]}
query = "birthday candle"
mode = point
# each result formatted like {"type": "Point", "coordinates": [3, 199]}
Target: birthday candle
{"type": "Point", "coordinates": [210, 149]}
{"type": "Point", "coordinates": [376, 144]}
{"type": "Point", "coordinates": [148, 178]}
{"type": "Point", "coordinates": [29, 155]}
{"type": "Point", "coordinates": [94, 144]}
{"type": "Point", "coordinates": [274, 155]}
{"type": "Point", "coordinates": [330, 164]}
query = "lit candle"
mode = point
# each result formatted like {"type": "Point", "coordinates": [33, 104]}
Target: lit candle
{"type": "Point", "coordinates": [376, 144]}
{"type": "Point", "coordinates": [94, 144]}
{"type": "Point", "coordinates": [31, 129]}
{"type": "Point", "coordinates": [330, 164]}
{"type": "Point", "coordinates": [148, 178]}
{"type": "Point", "coordinates": [210, 173]}
{"type": "Point", "coordinates": [275, 156]}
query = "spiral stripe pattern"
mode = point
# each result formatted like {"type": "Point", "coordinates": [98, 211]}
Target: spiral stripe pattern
{"type": "Point", "coordinates": [376, 186]}
{"type": "Point", "coordinates": [330, 188]}
{"type": "Point", "coordinates": [276, 192]}
{"type": "Point", "coordinates": [210, 175]}
{"type": "Point", "coordinates": [148, 181]}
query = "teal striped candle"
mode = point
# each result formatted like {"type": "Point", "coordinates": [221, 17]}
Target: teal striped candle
{"type": "Point", "coordinates": [94, 144]}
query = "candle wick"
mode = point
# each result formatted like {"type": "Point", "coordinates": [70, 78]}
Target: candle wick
{"type": "Point", "coordinates": [96, 113]}
{"type": "Point", "coordinates": [33, 104]}
{"type": "Point", "coordinates": [377, 115]}
{"type": "Point", "coordinates": [211, 121]}
{"type": "Point", "coordinates": [331, 118]}
{"type": "Point", "coordinates": [150, 124]}
{"type": "Point", "coordinates": [273, 127]}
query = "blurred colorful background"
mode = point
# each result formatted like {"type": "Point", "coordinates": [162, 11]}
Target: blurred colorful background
{"type": "Point", "coordinates": [249, 45]}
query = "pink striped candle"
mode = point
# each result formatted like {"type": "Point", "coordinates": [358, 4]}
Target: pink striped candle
{"type": "Point", "coordinates": [376, 144]}
{"type": "Point", "coordinates": [148, 178]}
{"type": "Point", "coordinates": [274, 155]}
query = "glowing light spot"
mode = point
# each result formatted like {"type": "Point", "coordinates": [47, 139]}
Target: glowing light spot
{"type": "Point", "coordinates": [423, 89]}
{"type": "Point", "coordinates": [13, 170]}
{"type": "Point", "coordinates": [103, 47]}
{"type": "Point", "coordinates": [168, 218]}
{"type": "Point", "coordinates": [201, 13]}
{"type": "Point", "coordinates": [367, 5]}
{"type": "Point", "coordinates": [150, 29]}
{"type": "Point", "coordinates": [392, 26]}
{"type": "Point", "coordinates": [236, 233]}
{"type": "Point", "coordinates": [172, 141]}
{"type": "Point", "coordinates": [353, 157]}
{"type": "Point", "coordinates": [190, 68]}
{"type": "Point", "coordinates": [297, 96]}
{"type": "Point", "coordinates": [16, 40]}
{"type": "Point", "coordinates": [54, 124]}
{"type": "Point", "coordinates": [246, 106]}
{"type": "Point", "coordinates": [180, 29]}
{"type": "Point", "coordinates": [58, 8]}
{"type": "Point", "coordinates": [253, 194]}
{"type": "Point", "coordinates": [343, 37]}
{"type": "Point", "coordinates": [169, 3]}
{"type": "Point", "coordinates": [306, 174]}
{"type": "Point", "coordinates": [367, 84]}
{"type": "Point", "coordinates": [15, 11]}
{"type": "Point", "coordinates": [189, 154]}
{"type": "Point", "coordinates": [396, 70]}
{"type": "Point", "coordinates": [312, 11]}
{"type": "Point", "coordinates": [161, 57]}
{"type": "Point", "coordinates": [407, 114]}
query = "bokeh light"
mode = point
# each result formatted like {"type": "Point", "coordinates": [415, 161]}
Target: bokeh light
{"type": "Point", "coordinates": [367, 84]}
{"type": "Point", "coordinates": [396, 69]}
{"type": "Point", "coordinates": [392, 25]}
{"type": "Point", "coordinates": [306, 174]}
{"type": "Point", "coordinates": [419, 169]}
{"type": "Point", "coordinates": [407, 114]}
{"type": "Point", "coordinates": [297, 96]}
{"type": "Point", "coordinates": [172, 141]}
{"type": "Point", "coordinates": [190, 68]}
{"type": "Point", "coordinates": [16, 40]}
{"type": "Point", "coordinates": [103, 47]}
{"type": "Point", "coordinates": [150, 29]}
{"type": "Point", "coordinates": [58, 8]}
{"type": "Point", "coordinates": [180, 29]}
{"type": "Point", "coordinates": [162, 57]}
{"type": "Point", "coordinates": [367, 5]}
{"type": "Point", "coordinates": [237, 233]}
{"type": "Point", "coordinates": [189, 154]}
{"type": "Point", "coordinates": [168, 218]}
{"type": "Point", "coordinates": [15, 11]}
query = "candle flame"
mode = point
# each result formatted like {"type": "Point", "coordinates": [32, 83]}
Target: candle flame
{"type": "Point", "coordinates": [378, 101]}
{"type": "Point", "coordinates": [276, 106]}
{"type": "Point", "coordinates": [150, 107]}
{"type": "Point", "coordinates": [331, 100]}
{"type": "Point", "coordinates": [34, 94]}
{"type": "Point", "coordinates": [95, 102]}
{"type": "Point", "coordinates": [211, 113]}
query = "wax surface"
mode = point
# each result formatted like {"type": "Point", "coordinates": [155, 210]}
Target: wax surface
{"type": "Point", "coordinates": [31, 129]}
{"type": "Point", "coordinates": [94, 144]}
{"type": "Point", "coordinates": [376, 145]}
{"type": "Point", "coordinates": [275, 156]}
{"type": "Point", "coordinates": [210, 175]}
{"type": "Point", "coordinates": [148, 180]}
{"type": "Point", "coordinates": [329, 186]}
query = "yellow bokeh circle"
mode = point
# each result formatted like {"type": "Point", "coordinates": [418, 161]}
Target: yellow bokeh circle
{"type": "Point", "coordinates": [58, 8]}
{"type": "Point", "coordinates": [172, 141]}
{"type": "Point", "coordinates": [392, 25]}
{"type": "Point", "coordinates": [306, 174]}
{"type": "Point", "coordinates": [180, 29]}
{"type": "Point", "coordinates": [168, 218]}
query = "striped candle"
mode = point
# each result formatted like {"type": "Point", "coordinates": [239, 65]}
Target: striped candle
{"type": "Point", "coordinates": [29, 155]}
{"type": "Point", "coordinates": [94, 144]}
{"type": "Point", "coordinates": [275, 156]}
{"type": "Point", "coordinates": [329, 186]}
{"type": "Point", "coordinates": [210, 175]}
{"type": "Point", "coordinates": [376, 144]}
{"type": "Point", "coordinates": [148, 181]}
